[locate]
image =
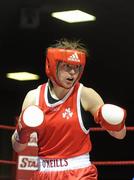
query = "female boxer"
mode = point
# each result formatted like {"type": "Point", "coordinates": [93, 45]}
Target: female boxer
{"type": "Point", "coordinates": [58, 111]}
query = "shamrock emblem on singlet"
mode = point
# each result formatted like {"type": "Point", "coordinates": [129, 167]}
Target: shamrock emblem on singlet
{"type": "Point", "coordinates": [67, 113]}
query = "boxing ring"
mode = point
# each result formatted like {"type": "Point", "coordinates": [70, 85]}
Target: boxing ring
{"type": "Point", "coordinates": [23, 164]}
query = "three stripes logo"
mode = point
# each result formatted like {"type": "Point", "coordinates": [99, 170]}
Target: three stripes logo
{"type": "Point", "coordinates": [74, 57]}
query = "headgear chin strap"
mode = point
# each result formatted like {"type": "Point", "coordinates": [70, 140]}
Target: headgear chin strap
{"type": "Point", "coordinates": [69, 56]}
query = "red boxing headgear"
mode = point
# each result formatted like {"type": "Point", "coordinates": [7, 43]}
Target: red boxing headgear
{"type": "Point", "coordinates": [69, 56]}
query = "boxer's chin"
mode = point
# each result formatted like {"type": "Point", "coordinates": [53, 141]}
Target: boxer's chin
{"type": "Point", "coordinates": [67, 84]}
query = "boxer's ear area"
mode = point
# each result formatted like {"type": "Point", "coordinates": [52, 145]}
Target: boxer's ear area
{"type": "Point", "coordinates": [33, 116]}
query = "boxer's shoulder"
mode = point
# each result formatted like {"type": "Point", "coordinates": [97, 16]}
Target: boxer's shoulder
{"type": "Point", "coordinates": [30, 98]}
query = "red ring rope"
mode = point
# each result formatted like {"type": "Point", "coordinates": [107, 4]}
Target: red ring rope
{"type": "Point", "coordinates": [111, 163]}
{"type": "Point", "coordinates": [8, 162]}
{"type": "Point", "coordinates": [129, 128]}
{"type": "Point", "coordinates": [98, 163]}
{"type": "Point", "coordinates": [7, 127]}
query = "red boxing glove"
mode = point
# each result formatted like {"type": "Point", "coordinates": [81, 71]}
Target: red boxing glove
{"type": "Point", "coordinates": [30, 121]}
{"type": "Point", "coordinates": [111, 117]}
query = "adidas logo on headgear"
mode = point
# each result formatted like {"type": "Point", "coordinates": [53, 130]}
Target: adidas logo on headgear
{"type": "Point", "coordinates": [74, 57]}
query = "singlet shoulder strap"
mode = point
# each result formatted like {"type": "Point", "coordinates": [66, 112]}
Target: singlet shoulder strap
{"type": "Point", "coordinates": [41, 95]}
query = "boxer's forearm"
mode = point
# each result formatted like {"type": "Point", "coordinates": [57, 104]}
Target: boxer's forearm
{"type": "Point", "coordinates": [111, 117]}
{"type": "Point", "coordinates": [16, 145]}
{"type": "Point", "coordinates": [118, 134]}
{"type": "Point", "coordinates": [30, 121]}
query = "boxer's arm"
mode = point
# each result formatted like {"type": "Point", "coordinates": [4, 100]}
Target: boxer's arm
{"type": "Point", "coordinates": [118, 134]}
{"type": "Point", "coordinates": [92, 102]}
{"type": "Point", "coordinates": [29, 100]}
{"type": "Point", "coordinates": [112, 118]}
{"type": "Point", "coordinates": [18, 147]}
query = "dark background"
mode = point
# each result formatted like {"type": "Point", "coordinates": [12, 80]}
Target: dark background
{"type": "Point", "coordinates": [27, 29]}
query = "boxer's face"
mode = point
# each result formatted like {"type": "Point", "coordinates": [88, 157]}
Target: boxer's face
{"type": "Point", "coordinates": [67, 74]}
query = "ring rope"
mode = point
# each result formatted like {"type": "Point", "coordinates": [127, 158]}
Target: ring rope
{"type": "Point", "coordinates": [98, 163]}
{"type": "Point", "coordinates": [129, 128]}
{"type": "Point", "coordinates": [8, 162]}
{"type": "Point", "coordinates": [7, 127]}
{"type": "Point", "coordinates": [113, 163]}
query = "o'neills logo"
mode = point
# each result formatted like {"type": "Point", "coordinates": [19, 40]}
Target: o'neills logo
{"type": "Point", "coordinates": [54, 163]}
{"type": "Point", "coordinates": [28, 162]}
